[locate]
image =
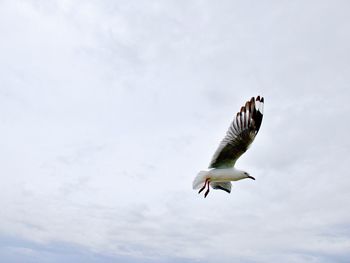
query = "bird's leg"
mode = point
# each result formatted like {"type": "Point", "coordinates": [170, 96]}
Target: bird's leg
{"type": "Point", "coordinates": [207, 192]}
{"type": "Point", "coordinates": [205, 184]}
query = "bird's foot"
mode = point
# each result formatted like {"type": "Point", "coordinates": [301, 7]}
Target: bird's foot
{"type": "Point", "coordinates": [206, 184]}
{"type": "Point", "coordinates": [207, 192]}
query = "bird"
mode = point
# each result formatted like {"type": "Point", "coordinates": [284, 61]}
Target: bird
{"type": "Point", "coordinates": [241, 133]}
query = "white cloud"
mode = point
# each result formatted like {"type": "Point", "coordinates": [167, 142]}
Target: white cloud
{"type": "Point", "coordinates": [109, 109]}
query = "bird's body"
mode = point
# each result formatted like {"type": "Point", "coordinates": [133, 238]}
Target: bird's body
{"type": "Point", "coordinates": [238, 138]}
{"type": "Point", "coordinates": [223, 174]}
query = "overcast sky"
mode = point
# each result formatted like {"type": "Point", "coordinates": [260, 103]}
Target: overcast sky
{"type": "Point", "coordinates": [108, 109]}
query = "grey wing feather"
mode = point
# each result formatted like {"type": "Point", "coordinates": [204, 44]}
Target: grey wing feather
{"type": "Point", "coordinates": [226, 186]}
{"type": "Point", "coordinates": [240, 134]}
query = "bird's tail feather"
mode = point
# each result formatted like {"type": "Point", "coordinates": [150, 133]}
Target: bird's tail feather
{"type": "Point", "coordinates": [199, 180]}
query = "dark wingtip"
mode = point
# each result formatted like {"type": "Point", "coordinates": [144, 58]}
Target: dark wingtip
{"type": "Point", "coordinates": [258, 98]}
{"type": "Point", "coordinates": [224, 189]}
{"type": "Point", "coordinates": [262, 99]}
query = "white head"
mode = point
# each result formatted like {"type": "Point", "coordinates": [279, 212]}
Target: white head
{"type": "Point", "coordinates": [244, 175]}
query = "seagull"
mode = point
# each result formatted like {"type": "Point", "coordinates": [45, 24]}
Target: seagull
{"type": "Point", "coordinates": [240, 135]}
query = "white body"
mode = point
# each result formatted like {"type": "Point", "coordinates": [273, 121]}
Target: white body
{"type": "Point", "coordinates": [218, 175]}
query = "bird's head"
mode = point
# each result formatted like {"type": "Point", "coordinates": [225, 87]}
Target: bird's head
{"type": "Point", "coordinates": [246, 175]}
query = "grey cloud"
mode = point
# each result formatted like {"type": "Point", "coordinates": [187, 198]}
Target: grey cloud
{"type": "Point", "coordinates": [109, 109]}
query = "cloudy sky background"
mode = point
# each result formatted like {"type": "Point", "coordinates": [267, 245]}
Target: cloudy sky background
{"type": "Point", "coordinates": [108, 109]}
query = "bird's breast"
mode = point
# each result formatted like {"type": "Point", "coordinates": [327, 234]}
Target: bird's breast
{"type": "Point", "coordinates": [222, 175]}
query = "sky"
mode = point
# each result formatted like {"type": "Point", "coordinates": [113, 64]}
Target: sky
{"type": "Point", "coordinates": [108, 109]}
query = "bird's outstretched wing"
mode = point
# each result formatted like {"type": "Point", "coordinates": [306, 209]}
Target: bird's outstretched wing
{"type": "Point", "coordinates": [240, 135]}
{"type": "Point", "coordinates": [226, 186]}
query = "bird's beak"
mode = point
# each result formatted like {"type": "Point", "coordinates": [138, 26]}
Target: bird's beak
{"type": "Point", "coordinates": [251, 177]}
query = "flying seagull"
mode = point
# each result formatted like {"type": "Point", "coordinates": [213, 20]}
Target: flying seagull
{"type": "Point", "coordinates": [240, 135]}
